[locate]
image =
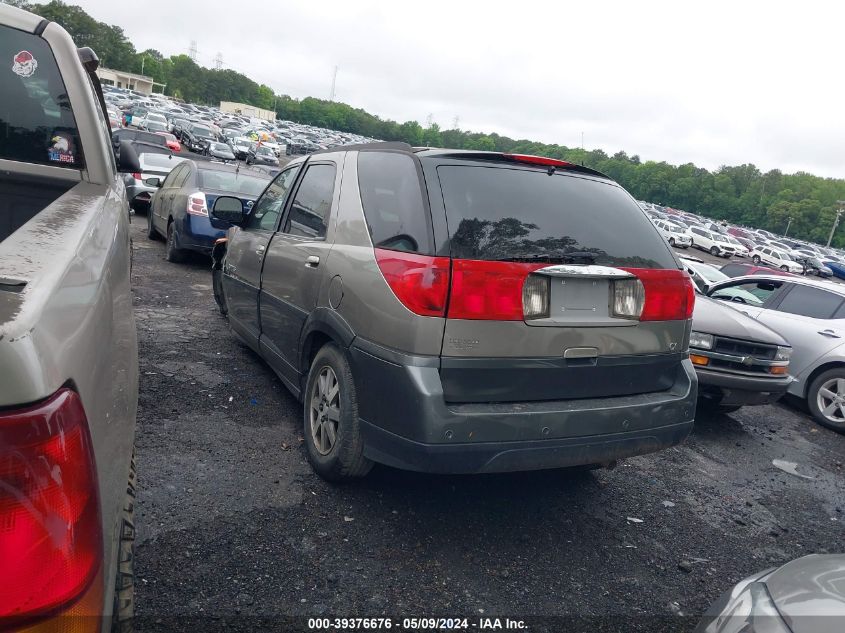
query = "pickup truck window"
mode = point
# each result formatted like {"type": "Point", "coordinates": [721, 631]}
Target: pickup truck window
{"type": "Point", "coordinates": [36, 121]}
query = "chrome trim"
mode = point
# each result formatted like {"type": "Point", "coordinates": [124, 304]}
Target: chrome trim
{"type": "Point", "coordinates": [586, 271]}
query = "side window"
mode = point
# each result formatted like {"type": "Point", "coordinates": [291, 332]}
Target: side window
{"type": "Point", "coordinates": [810, 302]}
{"type": "Point", "coordinates": [268, 208]}
{"type": "Point", "coordinates": [182, 176]}
{"type": "Point", "coordinates": [168, 182]}
{"type": "Point", "coordinates": [312, 204]}
{"type": "Point", "coordinates": [753, 293]}
{"type": "Point", "coordinates": [392, 197]}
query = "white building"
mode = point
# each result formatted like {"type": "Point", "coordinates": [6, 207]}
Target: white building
{"type": "Point", "coordinates": [247, 110]}
{"type": "Point", "coordinates": [121, 79]}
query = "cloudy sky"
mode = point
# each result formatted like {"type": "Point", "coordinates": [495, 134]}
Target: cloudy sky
{"type": "Point", "coordinates": [713, 83]}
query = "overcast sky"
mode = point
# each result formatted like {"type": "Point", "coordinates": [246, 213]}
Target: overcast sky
{"type": "Point", "coordinates": [708, 82]}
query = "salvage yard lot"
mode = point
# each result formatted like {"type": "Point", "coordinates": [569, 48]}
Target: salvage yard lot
{"type": "Point", "coordinates": [232, 521]}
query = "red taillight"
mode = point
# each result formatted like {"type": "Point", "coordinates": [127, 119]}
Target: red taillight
{"type": "Point", "coordinates": [538, 160]}
{"type": "Point", "coordinates": [488, 290]}
{"type": "Point", "coordinates": [420, 282]}
{"type": "Point", "coordinates": [197, 204]}
{"type": "Point", "coordinates": [669, 294]}
{"type": "Point", "coordinates": [136, 176]}
{"type": "Point", "coordinates": [50, 532]}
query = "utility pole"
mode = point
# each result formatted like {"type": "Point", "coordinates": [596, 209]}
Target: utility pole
{"type": "Point", "coordinates": [143, 59]}
{"type": "Point", "coordinates": [788, 222]}
{"type": "Point", "coordinates": [192, 50]}
{"type": "Point", "coordinates": [582, 141]}
{"type": "Point", "coordinates": [218, 61]}
{"type": "Point", "coordinates": [839, 213]}
{"type": "Point", "coordinates": [334, 84]}
{"type": "Point", "coordinates": [455, 122]}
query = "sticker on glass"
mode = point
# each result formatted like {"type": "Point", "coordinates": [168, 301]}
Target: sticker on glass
{"type": "Point", "coordinates": [62, 149]}
{"type": "Point", "coordinates": [24, 64]}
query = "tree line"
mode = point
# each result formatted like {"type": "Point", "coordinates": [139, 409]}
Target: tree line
{"type": "Point", "coordinates": [740, 194]}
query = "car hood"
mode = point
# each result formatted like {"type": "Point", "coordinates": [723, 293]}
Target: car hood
{"type": "Point", "coordinates": [713, 317]}
{"type": "Point", "coordinates": [808, 591]}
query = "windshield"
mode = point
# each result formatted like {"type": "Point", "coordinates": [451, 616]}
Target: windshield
{"type": "Point", "coordinates": [503, 213]}
{"type": "Point", "coordinates": [707, 272]}
{"type": "Point", "coordinates": [201, 131]}
{"type": "Point", "coordinates": [783, 256]}
{"type": "Point", "coordinates": [231, 182]}
{"type": "Point", "coordinates": [156, 126]}
{"type": "Point", "coordinates": [265, 151]}
{"type": "Point", "coordinates": [220, 147]}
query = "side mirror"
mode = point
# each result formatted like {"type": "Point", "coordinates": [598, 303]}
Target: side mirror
{"type": "Point", "coordinates": [228, 209]}
{"type": "Point", "coordinates": [127, 161]}
{"type": "Point", "coordinates": [153, 181]}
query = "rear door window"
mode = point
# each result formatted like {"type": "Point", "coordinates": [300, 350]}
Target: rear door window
{"type": "Point", "coordinates": [392, 197]}
{"type": "Point", "coordinates": [513, 214]}
{"type": "Point", "coordinates": [312, 204]}
{"type": "Point", "coordinates": [36, 121]}
{"type": "Point", "coordinates": [810, 302]}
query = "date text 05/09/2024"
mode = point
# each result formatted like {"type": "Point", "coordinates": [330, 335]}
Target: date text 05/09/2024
{"type": "Point", "coordinates": [416, 624]}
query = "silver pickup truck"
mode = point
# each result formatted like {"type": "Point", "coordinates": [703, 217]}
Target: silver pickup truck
{"type": "Point", "coordinates": [68, 349]}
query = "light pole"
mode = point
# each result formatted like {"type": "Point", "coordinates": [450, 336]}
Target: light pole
{"type": "Point", "coordinates": [839, 213]}
{"type": "Point", "coordinates": [788, 222]}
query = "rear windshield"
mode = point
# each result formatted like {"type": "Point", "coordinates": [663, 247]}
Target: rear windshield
{"type": "Point", "coordinates": [36, 121]}
{"type": "Point", "coordinates": [499, 213]}
{"type": "Point", "coordinates": [232, 182]}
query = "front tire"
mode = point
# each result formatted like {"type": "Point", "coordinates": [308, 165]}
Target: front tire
{"type": "Point", "coordinates": [672, 242]}
{"type": "Point", "coordinates": [174, 255]}
{"type": "Point", "coordinates": [151, 230]}
{"type": "Point", "coordinates": [826, 399]}
{"type": "Point", "coordinates": [785, 268]}
{"type": "Point", "coordinates": [219, 297]}
{"type": "Point", "coordinates": [331, 430]}
{"type": "Point", "coordinates": [756, 259]}
{"type": "Point", "coordinates": [714, 251]}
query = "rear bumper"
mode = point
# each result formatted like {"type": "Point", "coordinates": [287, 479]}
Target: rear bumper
{"type": "Point", "coordinates": [406, 422]}
{"type": "Point", "coordinates": [195, 233]}
{"type": "Point", "coordinates": [736, 390]}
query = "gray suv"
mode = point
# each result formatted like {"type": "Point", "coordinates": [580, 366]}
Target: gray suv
{"type": "Point", "coordinates": [460, 312]}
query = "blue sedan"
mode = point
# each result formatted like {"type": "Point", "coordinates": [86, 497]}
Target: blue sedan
{"type": "Point", "coordinates": [179, 209]}
{"type": "Point", "coordinates": [838, 268]}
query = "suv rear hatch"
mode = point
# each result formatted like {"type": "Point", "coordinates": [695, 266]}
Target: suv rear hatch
{"type": "Point", "coordinates": [560, 287]}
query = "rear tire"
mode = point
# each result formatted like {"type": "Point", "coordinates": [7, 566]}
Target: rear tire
{"type": "Point", "coordinates": [124, 581]}
{"type": "Point", "coordinates": [174, 255]}
{"type": "Point", "coordinates": [672, 242]}
{"type": "Point", "coordinates": [817, 401]}
{"type": "Point", "coordinates": [785, 268]}
{"type": "Point", "coordinates": [331, 429]}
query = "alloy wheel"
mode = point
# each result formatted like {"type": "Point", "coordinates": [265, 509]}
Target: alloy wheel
{"type": "Point", "coordinates": [324, 412]}
{"type": "Point", "coordinates": [831, 400]}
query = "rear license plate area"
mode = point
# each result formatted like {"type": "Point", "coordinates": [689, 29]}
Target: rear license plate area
{"type": "Point", "coordinates": [580, 300]}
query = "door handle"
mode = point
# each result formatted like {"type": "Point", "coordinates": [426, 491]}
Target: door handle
{"type": "Point", "coordinates": [260, 250]}
{"type": "Point", "coordinates": [829, 334]}
{"type": "Point", "coordinates": [312, 261]}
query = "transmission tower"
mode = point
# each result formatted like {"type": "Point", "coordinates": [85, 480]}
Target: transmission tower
{"type": "Point", "coordinates": [334, 84]}
{"type": "Point", "coordinates": [218, 61]}
{"type": "Point", "coordinates": [192, 50]}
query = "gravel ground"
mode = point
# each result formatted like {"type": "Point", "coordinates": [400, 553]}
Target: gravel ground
{"type": "Point", "coordinates": [233, 525]}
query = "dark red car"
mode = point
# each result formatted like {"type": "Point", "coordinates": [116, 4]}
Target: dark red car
{"type": "Point", "coordinates": [738, 269]}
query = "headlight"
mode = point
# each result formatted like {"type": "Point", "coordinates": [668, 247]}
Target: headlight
{"type": "Point", "coordinates": [701, 340]}
{"type": "Point", "coordinates": [784, 353]}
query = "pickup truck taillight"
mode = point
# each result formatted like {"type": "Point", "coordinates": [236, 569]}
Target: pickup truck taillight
{"type": "Point", "coordinates": [50, 530]}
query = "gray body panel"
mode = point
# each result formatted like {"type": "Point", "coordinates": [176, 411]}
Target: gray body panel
{"type": "Point", "coordinates": [73, 322]}
{"type": "Point", "coordinates": [808, 593]}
